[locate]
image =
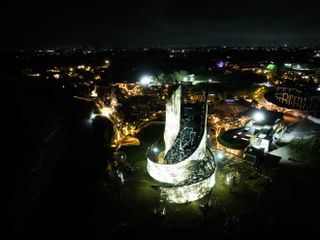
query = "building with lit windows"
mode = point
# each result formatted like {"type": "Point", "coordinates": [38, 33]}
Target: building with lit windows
{"type": "Point", "coordinates": [264, 128]}
{"type": "Point", "coordinates": [184, 163]}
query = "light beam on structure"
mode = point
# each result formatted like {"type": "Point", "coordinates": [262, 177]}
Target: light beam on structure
{"type": "Point", "coordinates": [172, 119]}
{"type": "Point", "coordinates": [184, 164]}
{"type": "Point", "coordinates": [191, 192]}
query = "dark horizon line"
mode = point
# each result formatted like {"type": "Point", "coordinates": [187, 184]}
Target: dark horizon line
{"type": "Point", "coordinates": [96, 47]}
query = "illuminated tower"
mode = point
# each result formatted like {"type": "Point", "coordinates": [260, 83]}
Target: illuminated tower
{"type": "Point", "coordinates": [184, 164]}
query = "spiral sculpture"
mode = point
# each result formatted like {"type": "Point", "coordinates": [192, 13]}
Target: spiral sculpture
{"type": "Point", "coordinates": [184, 165]}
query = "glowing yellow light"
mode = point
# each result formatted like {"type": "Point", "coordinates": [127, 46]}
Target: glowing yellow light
{"type": "Point", "coordinates": [56, 76]}
{"type": "Point", "coordinates": [81, 67]}
{"type": "Point", "coordinates": [34, 75]}
{"type": "Point", "coordinates": [106, 111]}
{"type": "Point", "coordinates": [94, 93]}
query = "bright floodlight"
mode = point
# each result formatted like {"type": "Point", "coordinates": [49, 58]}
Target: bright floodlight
{"type": "Point", "coordinates": [220, 155]}
{"type": "Point", "coordinates": [258, 116]}
{"type": "Point", "coordinates": [145, 80]}
{"type": "Point", "coordinates": [155, 149]}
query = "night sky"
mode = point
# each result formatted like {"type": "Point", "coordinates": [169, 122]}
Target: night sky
{"type": "Point", "coordinates": [161, 23]}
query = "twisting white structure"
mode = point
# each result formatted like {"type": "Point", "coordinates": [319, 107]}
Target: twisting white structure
{"type": "Point", "coordinates": [184, 165]}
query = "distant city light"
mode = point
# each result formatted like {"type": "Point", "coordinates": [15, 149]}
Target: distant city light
{"type": "Point", "coordinates": [220, 64]}
{"type": "Point", "coordinates": [56, 76]}
{"type": "Point", "coordinates": [107, 61]}
{"type": "Point", "coordinates": [267, 84]}
{"type": "Point", "coordinates": [146, 80]}
{"type": "Point", "coordinates": [297, 66]}
{"type": "Point", "coordinates": [271, 67]}
{"type": "Point", "coordinates": [230, 100]}
{"type": "Point", "coordinates": [258, 116]}
{"type": "Point", "coordinates": [94, 93]}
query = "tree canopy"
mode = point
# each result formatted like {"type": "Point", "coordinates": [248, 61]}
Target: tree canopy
{"type": "Point", "coordinates": [306, 150]}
